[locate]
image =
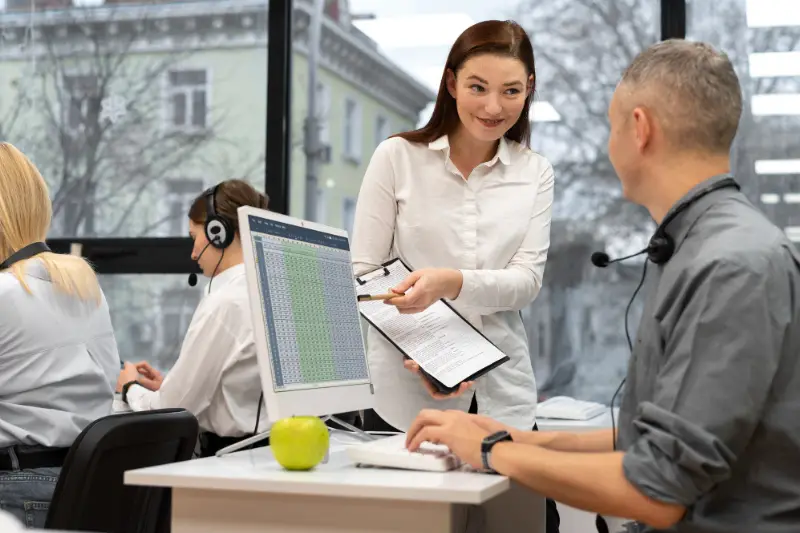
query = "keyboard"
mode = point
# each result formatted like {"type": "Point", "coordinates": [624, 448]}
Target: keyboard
{"type": "Point", "coordinates": [391, 452]}
{"type": "Point", "coordinates": [566, 408]}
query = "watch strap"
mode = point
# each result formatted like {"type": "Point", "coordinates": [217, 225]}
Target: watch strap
{"type": "Point", "coordinates": [125, 390]}
{"type": "Point", "coordinates": [487, 445]}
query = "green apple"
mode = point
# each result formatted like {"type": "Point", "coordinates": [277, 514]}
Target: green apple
{"type": "Point", "coordinates": [299, 442]}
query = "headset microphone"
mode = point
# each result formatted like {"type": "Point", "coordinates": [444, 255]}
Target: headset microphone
{"type": "Point", "coordinates": [602, 260]}
{"type": "Point", "coordinates": [193, 276]}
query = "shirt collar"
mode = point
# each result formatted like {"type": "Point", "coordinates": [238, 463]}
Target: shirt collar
{"type": "Point", "coordinates": [679, 225]}
{"type": "Point", "coordinates": [226, 278]}
{"type": "Point", "coordinates": [503, 153]}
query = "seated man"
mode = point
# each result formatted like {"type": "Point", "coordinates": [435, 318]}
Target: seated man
{"type": "Point", "coordinates": [709, 439]}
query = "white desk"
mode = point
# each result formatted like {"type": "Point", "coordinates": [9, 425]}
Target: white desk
{"type": "Point", "coordinates": [248, 492]}
{"type": "Point", "coordinates": [601, 421]}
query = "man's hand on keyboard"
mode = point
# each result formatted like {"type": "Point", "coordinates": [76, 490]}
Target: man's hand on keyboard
{"type": "Point", "coordinates": [457, 430]}
{"type": "Point", "coordinates": [413, 367]}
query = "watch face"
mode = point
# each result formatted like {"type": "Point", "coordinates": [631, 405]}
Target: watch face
{"type": "Point", "coordinates": [494, 438]}
{"type": "Point", "coordinates": [500, 436]}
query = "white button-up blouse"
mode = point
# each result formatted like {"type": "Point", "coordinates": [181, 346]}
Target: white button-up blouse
{"type": "Point", "coordinates": [493, 226]}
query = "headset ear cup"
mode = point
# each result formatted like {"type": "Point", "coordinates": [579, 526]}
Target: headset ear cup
{"type": "Point", "coordinates": [218, 232]}
{"type": "Point", "coordinates": [660, 249]}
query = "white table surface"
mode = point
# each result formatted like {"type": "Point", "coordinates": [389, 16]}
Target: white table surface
{"type": "Point", "coordinates": [601, 421]}
{"type": "Point", "coordinates": [248, 492]}
{"type": "Point", "coordinates": [257, 471]}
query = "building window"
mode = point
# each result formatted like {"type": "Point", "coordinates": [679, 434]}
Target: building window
{"type": "Point", "coordinates": [381, 129]}
{"type": "Point", "coordinates": [348, 214]}
{"type": "Point", "coordinates": [180, 193]}
{"type": "Point", "coordinates": [322, 206]}
{"type": "Point", "coordinates": [352, 130]}
{"type": "Point", "coordinates": [81, 94]}
{"type": "Point", "coordinates": [188, 99]}
{"type": "Point", "coordinates": [324, 122]}
{"type": "Point", "coordinates": [177, 308]}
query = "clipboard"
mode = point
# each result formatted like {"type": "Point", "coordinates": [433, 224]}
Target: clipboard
{"type": "Point", "coordinates": [499, 358]}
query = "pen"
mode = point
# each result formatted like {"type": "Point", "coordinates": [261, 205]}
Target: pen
{"type": "Point", "coordinates": [373, 297]}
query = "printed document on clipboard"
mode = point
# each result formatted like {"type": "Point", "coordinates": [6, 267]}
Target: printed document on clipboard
{"type": "Point", "coordinates": [448, 349]}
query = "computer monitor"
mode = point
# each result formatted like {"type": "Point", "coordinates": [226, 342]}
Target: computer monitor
{"type": "Point", "coordinates": [305, 311]}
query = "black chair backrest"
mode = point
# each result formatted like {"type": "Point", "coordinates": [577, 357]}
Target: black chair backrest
{"type": "Point", "coordinates": [91, 495]}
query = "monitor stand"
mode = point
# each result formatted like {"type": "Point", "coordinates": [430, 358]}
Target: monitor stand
{"type": "Point", "coordinates": [360, 433]}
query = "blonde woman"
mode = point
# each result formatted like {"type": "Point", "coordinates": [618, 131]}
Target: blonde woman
{"type": "Point", "coordinates": [58, 355]}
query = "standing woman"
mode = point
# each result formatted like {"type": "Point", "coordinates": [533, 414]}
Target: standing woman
{"type": "Point", "coordinates": [467, 204]}
{"type": "Point", "coordinates": [58, 354]}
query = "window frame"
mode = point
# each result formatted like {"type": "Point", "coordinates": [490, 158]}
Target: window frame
{"type": "Point", "coordinates": [171, 255]}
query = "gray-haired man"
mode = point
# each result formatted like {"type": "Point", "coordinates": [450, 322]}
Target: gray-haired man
{"type": "Point", "coordinates": [709, 431]}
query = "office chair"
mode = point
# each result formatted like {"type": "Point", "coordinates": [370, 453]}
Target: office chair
{"type": "Point", "coordinates": [91, 495]}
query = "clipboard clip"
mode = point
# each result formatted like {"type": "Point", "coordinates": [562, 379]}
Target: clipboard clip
{"type": "Point", "coordinates": [362, 282]}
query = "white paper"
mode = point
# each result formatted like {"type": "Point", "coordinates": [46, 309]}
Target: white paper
{"type": "Point", "coordinates": [445, 345]}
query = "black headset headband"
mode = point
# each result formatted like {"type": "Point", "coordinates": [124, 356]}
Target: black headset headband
{"type": "Point", "coordinates": [211, 201]}
{"type": "Point", "coordinates": [26, 252]}
{"type": "Point", "coordinates": [662, 245]}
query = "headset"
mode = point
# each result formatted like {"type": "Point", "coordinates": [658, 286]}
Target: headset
{"type": "Point", "coordinates": [26, 252]}
{"type": "Point", "coordinates": [661, 246]}
{"type": "Point", "coordinates": [659, 250]}
{"type": "Point", "coordinates": [219, 231]}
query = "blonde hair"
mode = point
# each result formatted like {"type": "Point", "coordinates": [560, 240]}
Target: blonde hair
{"type": "Point", "coordinates": [25, 216]}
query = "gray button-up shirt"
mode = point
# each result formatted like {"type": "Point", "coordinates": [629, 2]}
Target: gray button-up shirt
{"type": "Point", "coordinates": [58, 362]}
{"type": "Point", "coordinates": [710, 418]}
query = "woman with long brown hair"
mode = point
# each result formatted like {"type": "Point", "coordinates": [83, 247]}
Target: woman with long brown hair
{"type": "Point", "coordinates": [467, 204]}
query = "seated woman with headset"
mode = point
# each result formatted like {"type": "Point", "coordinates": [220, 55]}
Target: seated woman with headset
{"type": "Point", "coordinates": [58, 354]}
{"type": "Point", "coordinates": [216, 375]}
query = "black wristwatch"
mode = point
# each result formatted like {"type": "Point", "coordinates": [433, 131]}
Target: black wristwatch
{"type": "Point", "coordinates": [488, 443]}
{"type": "Point", "coordinates": [125, 390]}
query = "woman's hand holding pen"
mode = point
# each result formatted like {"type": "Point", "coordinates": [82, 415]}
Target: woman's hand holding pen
{"type": "Point", "coordinates": [424, 287]}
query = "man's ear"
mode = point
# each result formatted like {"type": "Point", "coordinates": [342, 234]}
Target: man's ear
{"type": "Point", "coordinates": [450, 81]}
{"type": "Point", "coordinates": [643, 122]}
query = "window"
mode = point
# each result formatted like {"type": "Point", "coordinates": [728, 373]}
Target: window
{"type": "Point", "coordinates": [81, 95]}
{"type": "Point", "coordinates": [352, 130]}
{"type": "Point", "coordinates": [381, 129]}
{"type": "Point", "coordinates": [177, 307]}
{"type": "Point", "coordinates": [324, 116]}
{"type": "Point", "coordinates": [762, 45]}
{"type": "Point", "coordinates": [188, 97]}
{"type": "Point", "coordinates": [112, 102]}
{"type": "Point", "coordinates": [180, 194]}
{"type": "Point", "coordinates": [348, 214]}
{"type": "Point", "coordinates": [322, 205]}
{"type": "Point", "coordinates": [389, 82]}
{"type": "Point", "coordinates": [101, 99]}
{"type": "Point", "coordinates": [150, 315]}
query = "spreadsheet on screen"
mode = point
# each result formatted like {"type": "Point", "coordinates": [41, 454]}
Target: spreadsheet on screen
{"type": "Point", "coordinates": [310, 313]}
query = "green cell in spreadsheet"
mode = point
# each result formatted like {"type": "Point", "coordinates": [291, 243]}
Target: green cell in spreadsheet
{"type": "Point", "coordinates": [308, 297]}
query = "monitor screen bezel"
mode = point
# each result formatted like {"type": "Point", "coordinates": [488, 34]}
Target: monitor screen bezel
{"type": "Point", "coordinates": [307, 402]}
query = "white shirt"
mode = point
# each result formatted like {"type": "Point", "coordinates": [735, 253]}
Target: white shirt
{"type": "Point", "coordinates": [58, 361]}
{"type": "Point", "coordinates": [495, 227]}
{"type": "Point", "coordinates": [216, 376]}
